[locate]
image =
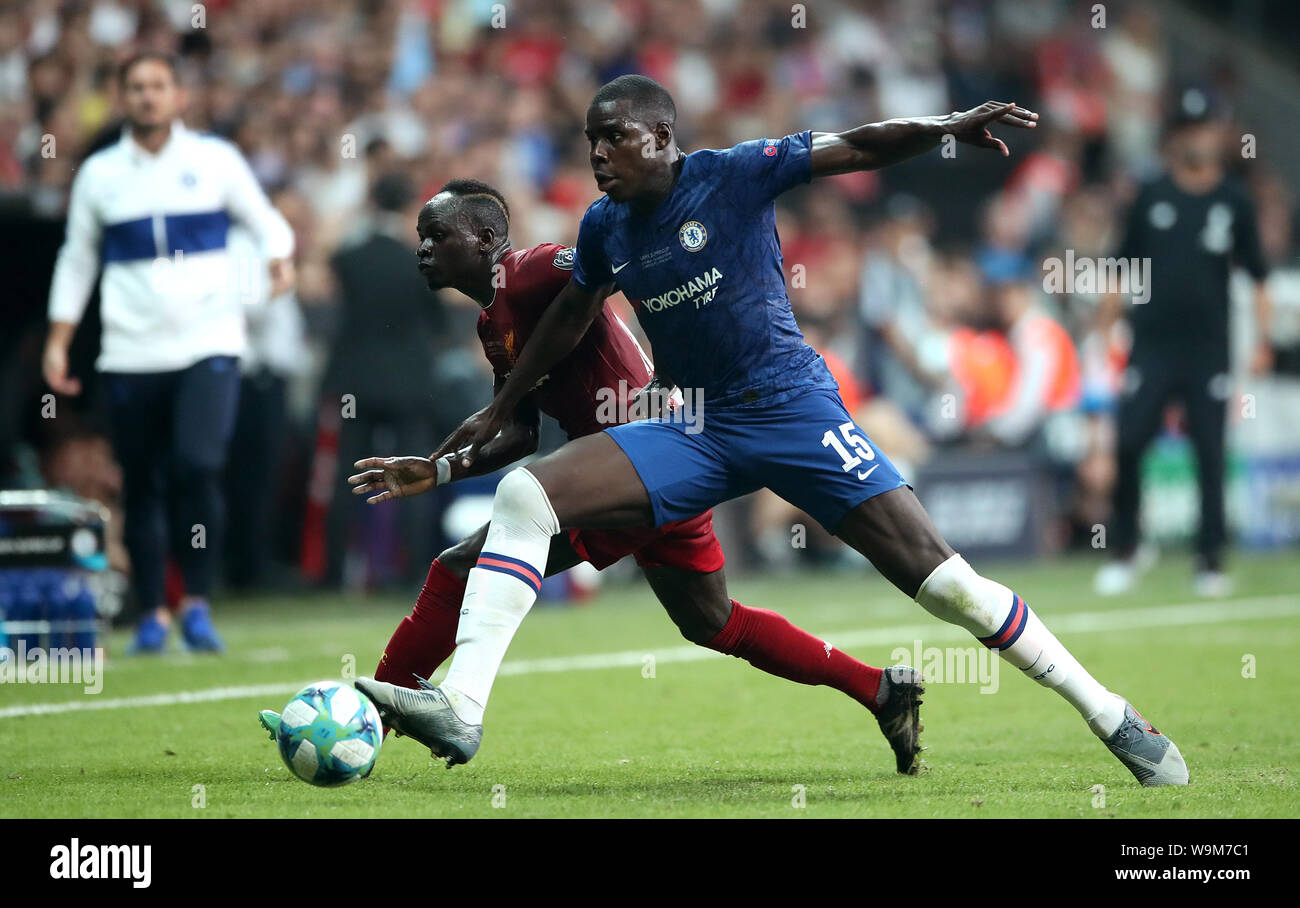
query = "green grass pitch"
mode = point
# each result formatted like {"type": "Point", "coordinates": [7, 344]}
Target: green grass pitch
{"type": "Point", "coordinates": [702, 737]}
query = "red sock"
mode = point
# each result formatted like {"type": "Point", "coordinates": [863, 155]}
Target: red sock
{"type": "Point", "coordinates": [426, 637]}
{"type": "Point", "coordinates": [769, 642]}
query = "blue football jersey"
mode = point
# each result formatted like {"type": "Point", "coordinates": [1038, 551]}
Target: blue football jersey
{"type": "Point", "coordinates": [704, 274]}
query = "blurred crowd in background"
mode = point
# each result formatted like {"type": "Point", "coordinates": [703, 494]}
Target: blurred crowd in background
{"type": "Point", "coordinates": [921, 284]}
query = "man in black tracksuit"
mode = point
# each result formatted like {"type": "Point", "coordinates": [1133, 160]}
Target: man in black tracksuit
{"type": "Point", "coordinates": [1192, 224]}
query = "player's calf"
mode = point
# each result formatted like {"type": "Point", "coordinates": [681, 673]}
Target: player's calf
{"type": "Point", "coordinates": [426, 637]}
{"type": "Point", "coordinates": [771, 643]}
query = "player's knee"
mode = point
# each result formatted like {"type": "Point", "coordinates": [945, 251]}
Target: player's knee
{"type": "Point", "coordinates": [460, 558]}
{"type": "Point", "coordinates": [521, 501]}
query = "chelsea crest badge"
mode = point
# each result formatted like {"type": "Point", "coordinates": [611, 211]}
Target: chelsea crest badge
{"type": "Point", "coordinates": [692, 236]}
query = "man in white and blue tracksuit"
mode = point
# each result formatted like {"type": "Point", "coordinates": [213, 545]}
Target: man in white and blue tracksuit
{"type": "Point", "coordinates": [154, 210]}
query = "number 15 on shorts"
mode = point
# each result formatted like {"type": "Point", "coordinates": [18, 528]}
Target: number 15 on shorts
{"type": "Point", "coordinates": [854, 439]}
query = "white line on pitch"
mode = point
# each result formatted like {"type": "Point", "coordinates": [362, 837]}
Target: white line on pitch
{"type": "Point", "coordinates": [1182, 615]}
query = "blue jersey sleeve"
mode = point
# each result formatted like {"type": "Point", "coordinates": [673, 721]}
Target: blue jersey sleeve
{"type": "Point", "coordinates": [768, 167]}
{"type": "Point", "coordinates": [590, 264]}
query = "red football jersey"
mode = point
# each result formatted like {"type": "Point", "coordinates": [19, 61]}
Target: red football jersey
{"type": "Point", "coordinates": [591, 388]}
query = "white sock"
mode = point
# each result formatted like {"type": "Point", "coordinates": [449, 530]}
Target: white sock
{"type": "Point", "coordinates": [501, 589]}
{"type": "Point", "coordinates": [1004, 622]}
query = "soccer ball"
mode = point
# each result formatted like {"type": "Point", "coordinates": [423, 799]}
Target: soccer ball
{"type": "Point", "coordinates": [329, 734]}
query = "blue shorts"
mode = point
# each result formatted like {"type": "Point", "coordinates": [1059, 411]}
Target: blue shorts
{"type": "Point", "coordinates": [808, 450]}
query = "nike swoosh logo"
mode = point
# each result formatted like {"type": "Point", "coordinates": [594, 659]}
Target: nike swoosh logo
{"type": "Point", "coordinates": [869, 472]}
{"type": "Point", "coordinates": [619, 268]}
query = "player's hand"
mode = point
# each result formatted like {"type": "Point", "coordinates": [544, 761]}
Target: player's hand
{"type": "Point", "coordinates": [971, 126]}
{"type": "Point", "coordinates": [1261, 361]}
{"type": "Point", "coordinates": [393, 477]}
{"type": "Point", "coordinates": [282, 275]}
{"type": "Point", "coordinates": [54, 364]}
{"type": "Point", "coordinates": [472, 434]}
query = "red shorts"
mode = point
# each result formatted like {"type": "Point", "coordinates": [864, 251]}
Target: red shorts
{"type": "Point", "coordinates": [687, 544]}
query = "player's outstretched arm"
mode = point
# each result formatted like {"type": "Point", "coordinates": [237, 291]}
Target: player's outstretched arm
{"type": "Point", "coordinates": [877, 145]}
{"type": "Point", "coordinates": [558, 331]}
{"type": "Point", "coordinates": [385, 478]}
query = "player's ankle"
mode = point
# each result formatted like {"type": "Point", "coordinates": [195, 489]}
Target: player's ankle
{"type": "Point", "coordinates": [466, 708]}
{"type": "Point", "coordinates": [882, 693]}
{"type": "Point", "coordinates": [1103, 724]}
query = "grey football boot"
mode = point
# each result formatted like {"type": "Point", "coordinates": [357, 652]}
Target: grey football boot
{"type": "Point", "coordinates": [900, 715]}
{"type": "Point", "coordinates": [425, 715]}
{"type": "Point", "coordinates": [1149, 755]}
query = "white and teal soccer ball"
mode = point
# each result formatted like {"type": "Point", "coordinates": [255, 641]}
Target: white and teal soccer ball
{"type": "Point", "coordinates": [329, 734]}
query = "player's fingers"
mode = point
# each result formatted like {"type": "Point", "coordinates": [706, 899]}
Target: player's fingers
{"type": "Point", "coordinates": [371, 487]}
{"type": "Point", "coordinates": [366, 463]}
{"type": "Point", "coordinates": [367, 476]}
{"type": "Point", "coordinates": [1014, 119]}
{"type": "Point", "coordinates": [382, 496]}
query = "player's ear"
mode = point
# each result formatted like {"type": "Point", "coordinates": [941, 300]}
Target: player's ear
{"type": "Point", "coordinates": [663, 135]}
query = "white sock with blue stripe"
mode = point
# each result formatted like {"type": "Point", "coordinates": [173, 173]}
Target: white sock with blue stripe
{"type": "Point", "coordinates": [502, 587]}
{"type": "Point", "coordinates": [1005, 623]}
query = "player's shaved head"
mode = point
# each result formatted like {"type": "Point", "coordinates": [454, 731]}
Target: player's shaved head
{"type": "Point", "coordinates": [464, 231]}
{"type": "Point", "coordinates": [483, 204]}
{"type": "Point", "coordinates": [648, 101]}
{"type": "Point", "coordinates": [633, 152]}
